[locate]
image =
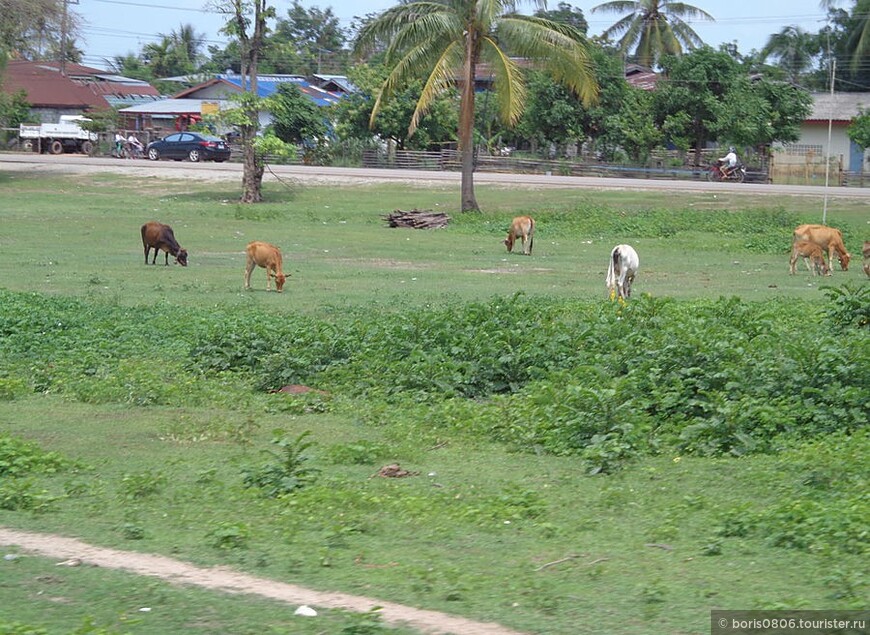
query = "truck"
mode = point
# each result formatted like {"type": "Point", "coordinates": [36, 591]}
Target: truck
{"type": "Point", "coordinates": [65, 136]}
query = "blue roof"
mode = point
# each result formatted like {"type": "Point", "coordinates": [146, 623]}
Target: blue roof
{"type": "Point", "coordinates": [268, 84]}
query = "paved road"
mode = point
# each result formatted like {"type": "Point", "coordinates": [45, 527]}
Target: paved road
{"type": "Point", "coordinates": [79, 164]}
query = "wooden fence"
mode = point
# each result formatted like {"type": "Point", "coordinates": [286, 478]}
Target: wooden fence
{"type": "Point", "coordinates": [448, 160]}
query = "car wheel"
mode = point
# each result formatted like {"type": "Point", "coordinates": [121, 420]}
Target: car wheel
{"type": "Point", "coordinates": [194, 155]}
{"type": "Point", "coordinates": [154, 154]}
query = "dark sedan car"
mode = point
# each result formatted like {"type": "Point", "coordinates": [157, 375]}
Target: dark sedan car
{"type": "Point", "coordinates": [189, 145]}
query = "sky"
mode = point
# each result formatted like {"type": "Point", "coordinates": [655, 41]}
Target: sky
{"type": "Point", "coordinates": [117, 27]}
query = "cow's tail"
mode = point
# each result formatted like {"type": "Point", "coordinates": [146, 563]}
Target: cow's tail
{"type": "Point", "coordinates": [610, 281]}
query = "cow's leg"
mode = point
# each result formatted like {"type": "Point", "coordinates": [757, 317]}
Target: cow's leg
{"type": "Point", "coordinates": [792, 260]}
{"type": "Point", "coordinates": [831, 251]}
{"type": "Point", "coordinates": [268, 278]}
{"type": "Point", "coordinates": [249, 267]}
{"type": "Point", "coordinates": [531, 243]}
{"type": "Point", "coordinates": [166, 258]}
{"type": "Point", "coordinates": [147, 249]}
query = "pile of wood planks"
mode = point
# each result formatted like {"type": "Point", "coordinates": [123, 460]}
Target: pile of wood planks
{"type": "Point", "coordinates": [417, 219]}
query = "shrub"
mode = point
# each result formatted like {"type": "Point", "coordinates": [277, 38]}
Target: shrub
{"type": "Point", "coordinates": [287, 472]}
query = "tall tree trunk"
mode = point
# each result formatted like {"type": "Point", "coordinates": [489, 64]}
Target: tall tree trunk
{"type": "Point", "coordinates": [466, 126]}
{"type": "Point", "coordinates": [253, 167]}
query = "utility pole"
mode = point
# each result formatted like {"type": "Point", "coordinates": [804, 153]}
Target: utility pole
{"type": "Point", "coordinates": [828, 157]}
{"type": "Point", "coordinates": [63, 30]}
{"type": "Point", "coordinates": [64, 34]}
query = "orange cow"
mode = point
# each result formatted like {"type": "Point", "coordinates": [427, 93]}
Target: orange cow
{"type": "Point", "coordinates": [829, 239]}
{"type": "Point", "coordinates": [522, 227]}
{"type": "Point", "coordinates": [812, 254]}
{"type": "Point", "coordinates": [260, 254]}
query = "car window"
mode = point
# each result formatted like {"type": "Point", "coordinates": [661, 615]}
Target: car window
{"type": "Point", "coordinates": [186, 137]}
{"type": "Point", "coordinates": [172, 138]}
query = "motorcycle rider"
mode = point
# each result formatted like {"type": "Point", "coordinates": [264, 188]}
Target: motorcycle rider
{"type": "Point", "coordinates": [728, 163]}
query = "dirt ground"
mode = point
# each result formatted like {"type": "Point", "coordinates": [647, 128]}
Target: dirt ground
{"type": "Point", "coordinates": [226, 580]}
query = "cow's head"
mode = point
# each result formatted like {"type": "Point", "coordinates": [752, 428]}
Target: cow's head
{"type": "Point", "coordinates": [509, 242]}
{"type": "Point", "coordinates": [181, 257]}
{"type": "Point", "coordinates": [844, 257]}
{"type": "Point", "coordinates": [280, 279]}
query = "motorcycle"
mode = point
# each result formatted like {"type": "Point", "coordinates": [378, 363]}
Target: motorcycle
{"type": "Point", "coordinates": [715, 173]}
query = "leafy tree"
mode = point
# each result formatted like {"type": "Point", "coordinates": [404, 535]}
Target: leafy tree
{"type": "Point", "coordinates": [758, 112]}
{"type": "Point", "coordinates": [353, 114]}
{"type": "Point", "coordinates": [246, 22]}
{"type": "Point", "coordinates": [297, 119]}
{"type": "Point", "coordinates": [859, 129]}
{"type": "Point", "coordinates": [553, 115]}
{"type": "Point", "coordinates": [131, 65]}
{"type": "Point", "coordinates": [707, 96]}
{"type": "Point", "coordinates": [178, 53]}
{"type": "Point", "coordinates": [564, 13]}
{"type": "Point", "coordinates": [690, 98]}
{"type": "Point", "coordinates": [14, 109]}
{"type": "Point", "coordinates": [445, 41]}
{"type": "Point", "coordinates": [653, 28]}
{"type": "Point", "coordinates": [794, 49]}
{"type": "Point", "coordinates": [316, 37]}
{"type": "Point", "coordinates": [31, 29]}
{"type": "Point", "coordinates": [841, 38]}
{"type": "Point", "coordinates": [632, 128]}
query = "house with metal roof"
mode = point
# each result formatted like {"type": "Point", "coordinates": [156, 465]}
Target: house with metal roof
{"type": "Point", "coordinates": [190, 104]}
{"type": "Point", "coordinates": [77, 90]}
{"type": "Point", "coordinates": [836, 110]}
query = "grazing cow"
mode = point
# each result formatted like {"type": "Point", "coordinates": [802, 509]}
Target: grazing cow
{"type": "Point", "coordinates": [812, 254]}
{"type": "Point", "coordinates": [268, 256]}
{"type": "Point", "coordinates": [159, 236]}
{"type": "Point", "coordinates": [621, 270]}
{"type": "Point", "coordinates": [522, 227]}
{"type": "Point", "coordinates": [829, 239]}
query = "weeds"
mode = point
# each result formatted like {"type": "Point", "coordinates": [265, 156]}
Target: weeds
{"type": "Point", "coordinates": [287, 471]}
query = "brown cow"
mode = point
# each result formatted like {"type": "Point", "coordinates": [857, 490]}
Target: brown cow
{"type": "Point", "coordinates": [812, 254]}
{"type": "Point", "coordinates": [268, 256]}
{"type": "Point", "coordinates": [522, 227]}
{"type": "Point", "coordinates": [829, 239]}
{"type": "Point", "coordinates": [159, 236]}
{"type": "Point", "coordinates": [867, 258]}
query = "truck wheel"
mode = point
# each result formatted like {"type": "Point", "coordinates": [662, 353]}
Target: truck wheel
{"type": "Point", "coordinates": [87, 147]}
{"type": "Point", "coordinates": [29, 145]}
{"type": "Point", "coordinates": [55, 147]}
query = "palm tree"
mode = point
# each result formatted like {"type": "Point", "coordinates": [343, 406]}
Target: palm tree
{"type": "Point", "coordinates": [795, 50]}
{"type": "Point", "coordinates": [859, 40]}
{"type": "Point", "coordinates": [444, 41]}
{"type": "Point", "coordinates": [653, 27]}
{"type": "Point", "coordinates": [189, 43]}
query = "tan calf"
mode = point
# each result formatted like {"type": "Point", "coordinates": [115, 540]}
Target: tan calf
{"type": "Point", "coordinates": [522, 227]}
{"type": "Point", "coordinates": [812, 254]}
{"type": "Point", "coordinates": [268, 256]}
{"type": "Point", "coordinates": [830, 239]}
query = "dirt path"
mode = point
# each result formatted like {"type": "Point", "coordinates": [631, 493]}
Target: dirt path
{"type": "Point", "coordinates": [227, 580]}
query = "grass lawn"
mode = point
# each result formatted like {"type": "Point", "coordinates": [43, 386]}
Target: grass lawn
{"type": "Point", "coordinates": [150, 385]}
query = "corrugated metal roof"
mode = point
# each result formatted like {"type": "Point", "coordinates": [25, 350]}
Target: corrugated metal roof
{"type": "Point", "coordinates": [172, 107]}
{"type": "Point", "coordinates": [839, 106]}
{"type": "Point", "coordinates": [268, 84]}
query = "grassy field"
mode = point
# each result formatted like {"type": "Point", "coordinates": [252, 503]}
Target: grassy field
{"type": "Point", "coordinates": [582, 467]}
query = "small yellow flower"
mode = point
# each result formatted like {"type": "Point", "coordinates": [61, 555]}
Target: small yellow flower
{"type": "Point", "coordinates": [677, 459]}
